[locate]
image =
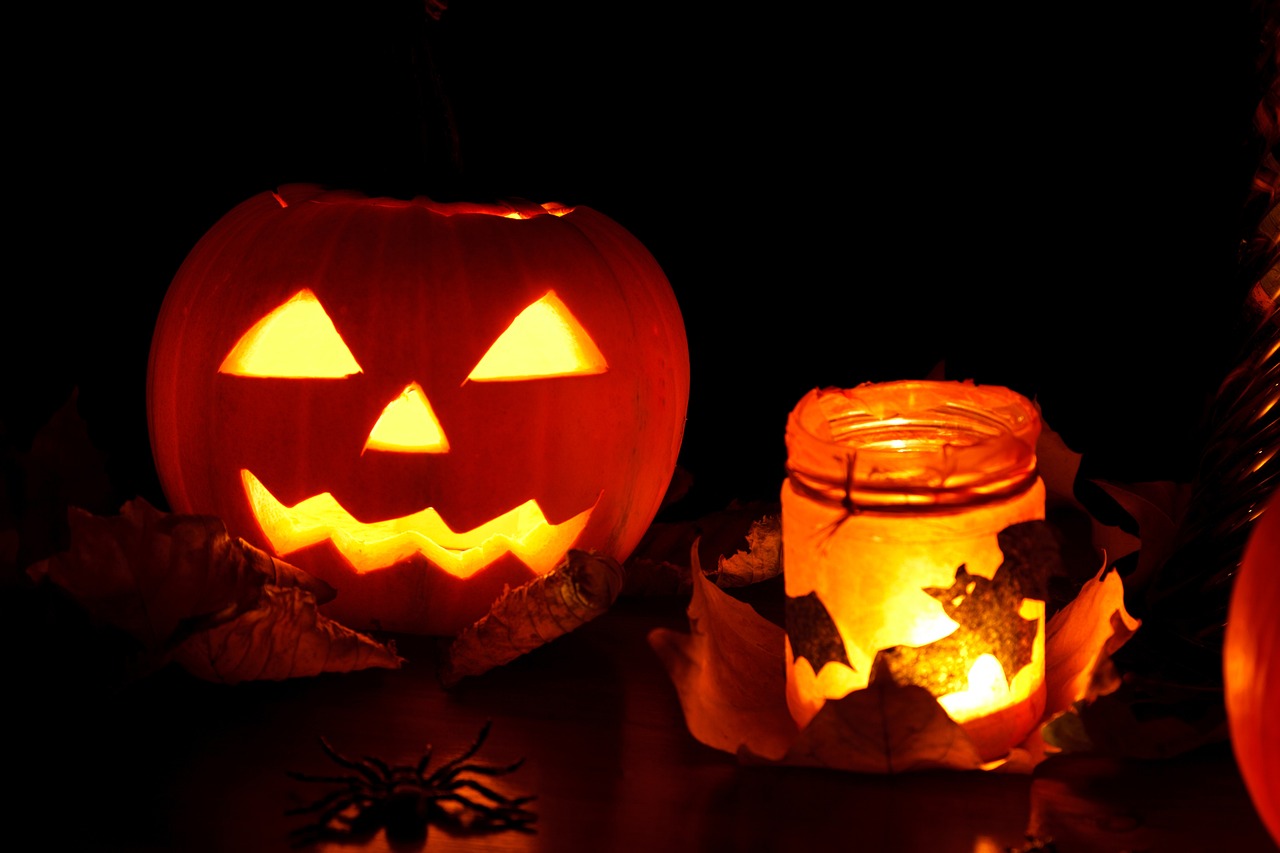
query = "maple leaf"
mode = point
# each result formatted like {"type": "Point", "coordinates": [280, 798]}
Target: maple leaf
{"type": "Point", "coordinates": [1058, 466]}
{"type": "Point", "coordinates": [61, 467]}
{"type": "Point", "coordinates": [1080, 639]}
{"type": "Point", "coordinates": [1158, 509]}
{"type": "Point", "coordinates": [729, 673]}
{"type": "Point", "coordinates": [282, 636]}
{"type": "Point", "coordinates": [188, 592]}
{"type": "Point", "coordinates": [730, 676]}
{"type": "Point", "coordinates": [886, 727]}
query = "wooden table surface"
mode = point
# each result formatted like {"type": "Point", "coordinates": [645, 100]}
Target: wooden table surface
{"type": "Point", "coordinates": [171, 763]}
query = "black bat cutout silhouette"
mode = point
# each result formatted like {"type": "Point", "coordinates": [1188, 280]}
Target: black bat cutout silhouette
{"type": "Point", "coordinates": [812, 632]}
{"type": "Point", "coordinates": [988, 615]}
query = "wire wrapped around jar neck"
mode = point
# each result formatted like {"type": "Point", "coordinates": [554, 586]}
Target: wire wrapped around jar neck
{"type": "Point", "coordinates": [913, 445]}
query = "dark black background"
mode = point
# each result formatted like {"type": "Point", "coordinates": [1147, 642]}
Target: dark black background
{"type": "Point", "coordinates": [1044, 196]}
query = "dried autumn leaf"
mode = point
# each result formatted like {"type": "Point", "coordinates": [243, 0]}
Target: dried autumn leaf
{"type": "Point", "coordinates": [1058, 465]}
{"type": "Point", "coordinates": [1113, 542]}
{"type": "Point", "coordinates": [283, 636]}
{"type": "Point", "coordinates": [762, 559]}
{"type": "Point", "coordinates": [534, 613]}
{"type": "Point", "coordinates": [1158, 509]}
{"type": "Point", "coordinates": [883, 728]}
{"type": "Point", "coordinates": [660, 564]}
{"type": "Point", "coordinates": [730, 677]}
{"type": "Point", "coordinates": [1146, 724]}
{"type": "Point", "coordinates": [168, 580]}
{"type": "Point", "coordinates": [1079, 642]}
{"type": "Point", "coordinates": [729, 673]}
{"type": "Point", "coordinates": [61, 468]}
{"type": "Point", "coordinates": [1106, 804]}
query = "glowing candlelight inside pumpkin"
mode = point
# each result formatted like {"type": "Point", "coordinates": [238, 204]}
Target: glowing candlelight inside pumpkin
{"type": "Point", "coordinates": [897, 557]}
{"type": "Point", "coordinates": [421, 404]}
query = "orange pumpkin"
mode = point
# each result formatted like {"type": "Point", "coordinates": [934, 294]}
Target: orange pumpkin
{"type": "Point", "coordinates": [1251, 665]}
{"type": "Point", "coordinates": [419, 403]}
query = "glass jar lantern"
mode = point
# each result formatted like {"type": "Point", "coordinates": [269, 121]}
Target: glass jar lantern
{"type": "Point", "coordinates": [895, 496]}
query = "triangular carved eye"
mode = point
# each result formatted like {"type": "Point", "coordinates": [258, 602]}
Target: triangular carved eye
{"type": "Point", "coordinates": [545, 339]}
{"type": "Point", "coordinates": [297, 339]}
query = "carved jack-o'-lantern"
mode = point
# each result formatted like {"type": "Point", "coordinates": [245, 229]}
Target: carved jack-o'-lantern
{"type": "Point", "coordinates": [418, 403]}
{"type": "Point", "coordinates": [1251, 664]}
{"type": "Point", "coordinates": [914, 550]}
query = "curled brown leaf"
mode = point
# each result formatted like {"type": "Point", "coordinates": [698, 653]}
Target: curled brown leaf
{"type": "Point", "coordinates": [729, 673]}
{"type": "Point", "coordinates": [761, 561]}
{"type": "Point", "coordinates": [884, 728]}
{"type": "Point", "coordinates": [1059, 466]}
{"type": "Point", "coordinates": [174, 582]}
{"type": "Point", "coordinates": [581, 588]}
{"type": "Point", "coordinates": [1079, 642]}
{"type": "Point", "coordinates": [1158, 509]}
{"type": "Point", "coordinates": [660, 564]}
{"type": "Point", "coordinates": [283, 637]}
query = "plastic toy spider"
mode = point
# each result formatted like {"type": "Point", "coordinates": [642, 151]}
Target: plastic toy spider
{"type": "Point", "coordinates": [404, 800]}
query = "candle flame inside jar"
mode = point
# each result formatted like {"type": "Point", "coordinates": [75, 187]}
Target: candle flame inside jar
{"type": "Point", "coordinates": [895, 497]}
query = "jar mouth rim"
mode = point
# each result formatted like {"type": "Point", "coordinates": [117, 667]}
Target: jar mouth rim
{"type": "Point", "coordinates": [913, 443]}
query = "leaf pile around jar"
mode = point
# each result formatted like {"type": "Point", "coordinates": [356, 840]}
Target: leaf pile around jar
{"type": "Point", "coordinates": [729, 674]}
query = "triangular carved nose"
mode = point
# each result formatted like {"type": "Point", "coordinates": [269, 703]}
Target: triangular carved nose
{"type": "Point", "coordinates": [408, 425]}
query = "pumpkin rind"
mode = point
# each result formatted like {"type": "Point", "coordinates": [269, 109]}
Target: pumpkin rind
{"type": "Point", "coordinates": [418, 291]}
{"type": "Point", "coordinates": [1251, 665]}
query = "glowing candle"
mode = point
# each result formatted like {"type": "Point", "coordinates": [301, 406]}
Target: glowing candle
{"type": "Point", "coordinates": [898, 557]}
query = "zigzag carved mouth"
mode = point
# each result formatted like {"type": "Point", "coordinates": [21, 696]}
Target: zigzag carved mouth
{"type": "Point", "coordinates": [523, 531]}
